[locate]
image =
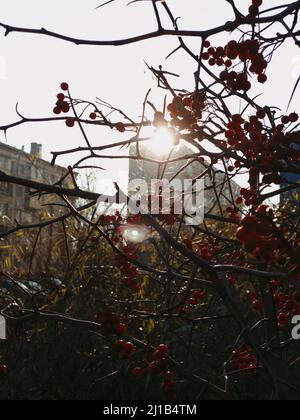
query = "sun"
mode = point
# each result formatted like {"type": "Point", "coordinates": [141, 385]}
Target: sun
{"type": "Point", "coordinates": [161, 144]}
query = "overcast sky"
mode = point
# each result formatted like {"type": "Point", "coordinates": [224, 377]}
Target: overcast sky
{"type": "Point", "coordinates": [32, 67]}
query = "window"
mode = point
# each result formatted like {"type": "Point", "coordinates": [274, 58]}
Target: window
{"type": "Point", "coordinates": [3, 209]}
{"type": "Point", "coordinates": [4, 186]}
{"type": "Point", "coordinates": [4, 161]}
{"type": "Point", "coordinates": [14, 167]}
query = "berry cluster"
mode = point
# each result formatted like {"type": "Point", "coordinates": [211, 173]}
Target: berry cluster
{"type": "Point", "coordinates": [159, 362]}
{"type": "Point", "coordinates": [253, 298]}
{"type": "Point", "coordinates": [255, 232]}
{"type": "Point", "coordinates": [110, 321]}
{"type": "Point", "coordinates": [248, 52]}
{"type": "Point", "coordinates": [126, 349]}
{"type": "Point", "coordinates": [290, 119]}
{"type": "Point", "coordinates": [245, 359]}
{"type": "Point", "coordinates": [208, 250]}
{"type": "Point", "coordinates": [62, 106]}
{"type": "Point", "coordinates": [128, 271]}
{"type": "Point", "coordinates": [159, 359]}
{"type": "Point", "coordinates": [156, 367]}
{"type": "Point", "coordinates": [287, 303]}
{"type": "Point", "coordinates": [187, 110]}
{"type": "Point", "coordinates": [266, 151]}
{"type": "Point", "coordinates": [197, 296]}
{"type": "Point", "coordinates": [116, 219]}
{"type": "Point", "coordinates": [233, 212]}
{"type": "Point", "coordinates": [248, 196]}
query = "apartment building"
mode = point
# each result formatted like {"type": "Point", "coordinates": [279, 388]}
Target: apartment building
{"type": "Point", "coordinates": [15, 201]}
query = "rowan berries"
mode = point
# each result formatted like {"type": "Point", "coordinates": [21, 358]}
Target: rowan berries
{"type": "Point", "coordinates": [253, 10]}
{"type": "Point", "coordinates": [285, 120]}
{"type": "Point", "coordinates": [64, 86]}
{"type": "Point", "coordinates": [137, 372]}
{"type": "Point", "coordinates": [261, 114]}
{"type": "Point", "coordinates": [293, 117]}
{"type": "Point", "coordinates": [57, 110]}
{"type": "Point", "coordinates": [121, 328]}
{"type": "Point", "coordinates": [154, 367]}
{"type": "Point", "coordinates": [262, 78]}
{"type": "Point", "coordinates": [3, 369]}
{"type": "Point", "coordinates": [120, 127]}
{"type": "Point", "coordinates": [70, 122]}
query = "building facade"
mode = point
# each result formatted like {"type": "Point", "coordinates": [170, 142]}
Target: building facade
{"type": "Point", "coordinates": [15, 201]}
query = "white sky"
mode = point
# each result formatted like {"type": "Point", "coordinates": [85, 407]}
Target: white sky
{"type": "Point", "coordinates": [32, 67]}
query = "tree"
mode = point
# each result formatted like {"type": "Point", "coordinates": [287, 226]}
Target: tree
{"type": "Point", "coordinates": [167, 317]}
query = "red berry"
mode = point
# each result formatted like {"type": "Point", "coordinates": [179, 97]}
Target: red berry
{"type": "Point", "coordinates": [163, 348]}
{"type": "Point", "coordinates": [262, 78]}
{"type": "Point", "coordinates": [258, 306]}
{"type": "Point", "coordinates": [129, 347]}
{"type": "Point", "coordinates": [252, 296]}
{"type": "Point", "coordinates": [224, 75]}
{"type": "Point", "coordinates": [153, 367]}
{"type": "Point", "coordinates": [293, 117]}
{"type": "Point", "coordinates": [64, 86]}
{"type": "Point", "coordinates": [169, 377]}
{"type": "Point", "coordinates": [61, 97]}
{"type": "Point", "coordinates": [193, 302]}
{"type": "Point", "coordinates": [93, 116]}
{"type": "Point", "coordinates": [120, 127]}
{"type": "Point", "coordinates": [65, 107]}
{"type": "Point", "coordinates": [3, 369]}
{"type": "Point", "coordinates": [220, 61]}
{"type": "Point", "coordinates": [119, 344]}
{"type": "Point", "coordinates": [261, 114]}
{"type": "Point", "coordinates": [253, 10]}
{"type": "Point", "coordinates": [70, 122]}
{"type": "Point", "coordinates": [285, 120]}
{"type": "Point", "coordinates": [137, 372]}
{"type": "Point", "coordinates": [57, 110]}
{"type": "Point", "coordinates": [206, 44]}
{"type": "Point", "coordinates": [158, 356]}
{"type": "Point", "coordinates": [220, 51]}
{"type": "Point", "coordinates": [199, 295]}
{"type": "Point", "coordinates": [121, 328]}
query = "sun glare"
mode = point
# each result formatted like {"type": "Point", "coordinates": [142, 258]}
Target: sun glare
{"type": "Point", "coordinates": [161, 143]}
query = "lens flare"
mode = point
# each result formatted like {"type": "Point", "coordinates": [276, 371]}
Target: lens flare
{"type": "Point", "coordinates": [135, 234]}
